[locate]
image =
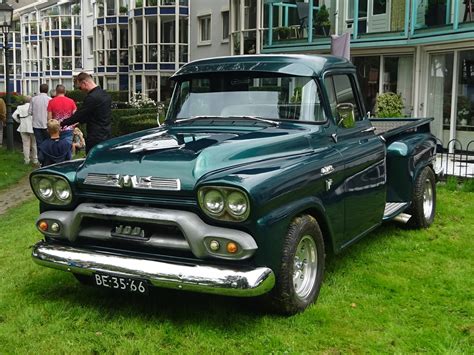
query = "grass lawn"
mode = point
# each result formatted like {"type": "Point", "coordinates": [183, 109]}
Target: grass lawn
{"type": "Point", "coordinates": [396, 291]}
{"type": "Point", "coordinates": [12, 167]}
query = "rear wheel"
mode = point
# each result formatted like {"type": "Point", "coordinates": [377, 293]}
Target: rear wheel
{"type": "Point", "coordinates": [302, 267]}
{"type": "Point", "coordinates": [424, 200]}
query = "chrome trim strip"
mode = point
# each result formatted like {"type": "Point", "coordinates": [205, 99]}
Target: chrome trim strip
{"type": "Point", "coordinates": [190, 277]}
{"type": "Point", "coordinates": [132, 181]}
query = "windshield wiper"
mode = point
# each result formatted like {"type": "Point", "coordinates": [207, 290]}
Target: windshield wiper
{"type": "Point", "coordinates": [193, 118]}
{"type": "Point", "coordinates": [254, 118]}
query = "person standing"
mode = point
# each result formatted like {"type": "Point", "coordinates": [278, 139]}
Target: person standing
{"type": "Point", "coordinates": [61, 107]}
{"type": "Point", "coordinates": [95, 112]}
{"type": "Point", "coordinates": [38, 110]}
{"type": "Point", "coordinates": [22, 116]}
{"type": "Point", "coordinates": [3, 118]}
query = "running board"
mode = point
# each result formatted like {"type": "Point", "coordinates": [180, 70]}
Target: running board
{"type": "Point", "coordinates": [392, 209]}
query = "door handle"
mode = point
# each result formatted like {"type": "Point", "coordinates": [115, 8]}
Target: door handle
{"type": "Point", "coordinates": [370, 129]}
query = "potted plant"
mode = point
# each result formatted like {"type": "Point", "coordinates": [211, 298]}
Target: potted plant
{"type": "Point", "coordinates": [76, 9]}
{"type": "Point", "coordinates": [322, 24]}
{"type": "Point", "coordinates": [389, 105]}
{"type": "Point", "coordinates": [123, 9]}
{"type": "Point", "coordinates": [283, 32]}
{"type": "Point", "coordinates": [65, 23]}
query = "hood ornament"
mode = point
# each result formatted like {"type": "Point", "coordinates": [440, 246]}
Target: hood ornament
{"type": "Point", "coordinates": [155, 141]}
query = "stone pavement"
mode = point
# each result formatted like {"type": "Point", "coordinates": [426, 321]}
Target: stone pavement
{"type": "Point", "coordinates": [15, 195]}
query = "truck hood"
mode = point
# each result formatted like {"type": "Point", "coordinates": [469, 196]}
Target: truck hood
{"type": "Point", "coordinates": [193, 153]}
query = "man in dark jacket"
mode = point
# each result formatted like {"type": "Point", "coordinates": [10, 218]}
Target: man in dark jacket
{"type": "Point", "coordinates": [95, 112]}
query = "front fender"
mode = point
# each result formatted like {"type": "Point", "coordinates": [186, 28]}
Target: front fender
{"type": "Point", "coordinates": [273, 227]}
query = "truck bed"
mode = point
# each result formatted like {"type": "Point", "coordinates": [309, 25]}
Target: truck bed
{"type": "Point", "coordinates": [389, 127]}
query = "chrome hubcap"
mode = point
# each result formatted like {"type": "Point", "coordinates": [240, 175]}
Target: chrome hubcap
{"type": "Point", "coordinates": [427, 199]}
{"type": "Point", "coordinates": [305, 267]}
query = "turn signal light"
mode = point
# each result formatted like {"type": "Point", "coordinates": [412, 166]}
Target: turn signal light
{"type": "Point", "coordinates": [232, 248]}
{"type": "Point", "coordinates": [43, 225]}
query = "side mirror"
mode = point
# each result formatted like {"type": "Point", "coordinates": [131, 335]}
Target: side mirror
{"type": "Point", "coordinates": [345, 115]}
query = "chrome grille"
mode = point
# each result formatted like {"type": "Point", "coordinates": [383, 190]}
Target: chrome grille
{"type": "Point", "coordinates": [132, 181]}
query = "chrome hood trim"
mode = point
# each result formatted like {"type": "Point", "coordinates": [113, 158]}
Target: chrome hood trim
{"type": "Point", "coordinates": [133, 181]}
{"type": "Point", "coordinates": [242, 282]}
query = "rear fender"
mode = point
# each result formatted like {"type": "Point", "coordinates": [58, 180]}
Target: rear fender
{"type": "Point", "coordinates": [406, 157]}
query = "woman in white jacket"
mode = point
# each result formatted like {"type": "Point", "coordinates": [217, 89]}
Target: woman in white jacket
{"type": "Point", "coordinates": [25, 120]}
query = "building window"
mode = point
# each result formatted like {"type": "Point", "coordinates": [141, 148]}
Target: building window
{"type": "Point", "coordinates": [225, 25]}
{"type": "Point", "coordinates": [205, 29]}
{"type": "Point", "coordinates": [91, 46]}
{"type": "Point", "coordinates": [379, 7]}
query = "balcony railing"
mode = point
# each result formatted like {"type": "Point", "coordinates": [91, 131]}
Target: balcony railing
{"type": "Point", "coordinates": [299, 23]}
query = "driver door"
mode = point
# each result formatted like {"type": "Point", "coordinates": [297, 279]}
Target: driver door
{"type": "Point", "coordinates": [363, 155]}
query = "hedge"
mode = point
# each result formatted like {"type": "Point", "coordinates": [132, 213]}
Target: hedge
{"type": "Point", "coordinates": [135, 123]}
{"type": "Point", "coordinates": [117, 96]}
{"type": "Point", "coordinates": [118, 115]}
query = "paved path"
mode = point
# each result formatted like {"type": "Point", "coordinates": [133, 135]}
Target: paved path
{"type": "Point", "coordinates": [15, 195]}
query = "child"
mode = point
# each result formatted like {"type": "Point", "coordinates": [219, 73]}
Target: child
{"type": "Point", "coordinates": [54, 150]}
{"type": "Point", "coordinates": [78, 142]}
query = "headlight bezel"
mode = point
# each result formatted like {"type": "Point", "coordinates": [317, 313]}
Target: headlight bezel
{"type": "Point", "coordinates": [226, 214]}
{"type": "Point", "coordinates": [53, 198]}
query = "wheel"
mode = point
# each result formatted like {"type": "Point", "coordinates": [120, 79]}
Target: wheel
{"type": "Point", "coordinates": [424, 200]}
{"type": "Point", "coordinates": [302, 267]}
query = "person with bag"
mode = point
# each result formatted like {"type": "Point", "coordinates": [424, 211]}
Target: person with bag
{"type": "Point", "coordinates": [22, 116]}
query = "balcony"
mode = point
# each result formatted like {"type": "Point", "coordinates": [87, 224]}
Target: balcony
{"type": "Point", "coordinates": [298, 25]}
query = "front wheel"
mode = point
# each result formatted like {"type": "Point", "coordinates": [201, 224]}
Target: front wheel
{"type": "Point", "coordinates": [302, 267]}
{"type": "Point", "coordinates": [424, 200]}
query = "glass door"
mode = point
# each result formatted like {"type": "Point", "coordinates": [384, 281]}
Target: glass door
{"type": "Point", "coordinates": [440, 84]}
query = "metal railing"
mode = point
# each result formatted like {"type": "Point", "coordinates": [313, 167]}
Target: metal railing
{"type": "Point", "coordinates": [453, 159]}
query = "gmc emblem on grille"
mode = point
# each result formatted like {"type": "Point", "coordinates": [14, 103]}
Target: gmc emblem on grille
{"type": "Point", "coordinates": [128, 232]}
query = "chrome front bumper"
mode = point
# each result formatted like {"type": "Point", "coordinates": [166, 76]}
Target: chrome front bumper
{"type": "Point", "coordinates": [199, 278]}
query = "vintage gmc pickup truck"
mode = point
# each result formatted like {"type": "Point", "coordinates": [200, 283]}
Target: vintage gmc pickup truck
{"type": "Point", "coordinates": [264, 164]}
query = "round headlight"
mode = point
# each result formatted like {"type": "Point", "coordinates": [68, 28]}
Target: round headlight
{"type": "Point", "coordinates": [62, 190]}
{"type": "Point", "coordinates": [45, 188]}
{"type": "Point", "coordinates": [237, 203]}
{"type": "Point", "coordinates": [214, 201]}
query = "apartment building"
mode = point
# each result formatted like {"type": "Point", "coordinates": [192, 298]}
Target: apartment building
{"type": "Point", "coordinates": [128, 45]}
{"type": "Point", "coordinates": [423, 49]}
{"type": "Point", "coordinates": [15, 70]}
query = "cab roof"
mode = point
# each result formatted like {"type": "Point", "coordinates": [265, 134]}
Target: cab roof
{"type": "Point", "coordinates": [299, 65]}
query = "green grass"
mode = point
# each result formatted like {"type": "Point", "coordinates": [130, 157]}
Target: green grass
{"type": "Point", "coordinates": [396, 291]}
{"type": "Point", "coordinates": [12, 167]}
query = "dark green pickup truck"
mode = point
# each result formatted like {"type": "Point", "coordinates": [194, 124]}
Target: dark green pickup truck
{"type": "Point", "coordinates": [263, 165]}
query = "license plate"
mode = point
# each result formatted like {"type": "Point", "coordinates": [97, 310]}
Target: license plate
{"type": "Point", "coordinates": [121, 283]}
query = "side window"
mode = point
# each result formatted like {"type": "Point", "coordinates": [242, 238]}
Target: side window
{"type": "Point", "coordinates": [341, 90]}
{"type": "Point", "coordinates": [329, 84]}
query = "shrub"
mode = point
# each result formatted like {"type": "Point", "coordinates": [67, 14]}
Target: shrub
{"type": "Point", "coordinates": [139, 100]}
{"type": "Point", "coordinates": [389, 105]}
{"type": "Point", "coordinates": [118, 96]}
{"type": "Point", "coordinates": [118, 114]}
{"type": "Point", "coordinates": [135, 123]}
{"type": "Point", "coordinates": [76, 95]}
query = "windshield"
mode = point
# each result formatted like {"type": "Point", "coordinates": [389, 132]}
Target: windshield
{"type": "Point", "coordinates": [237, 95]}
